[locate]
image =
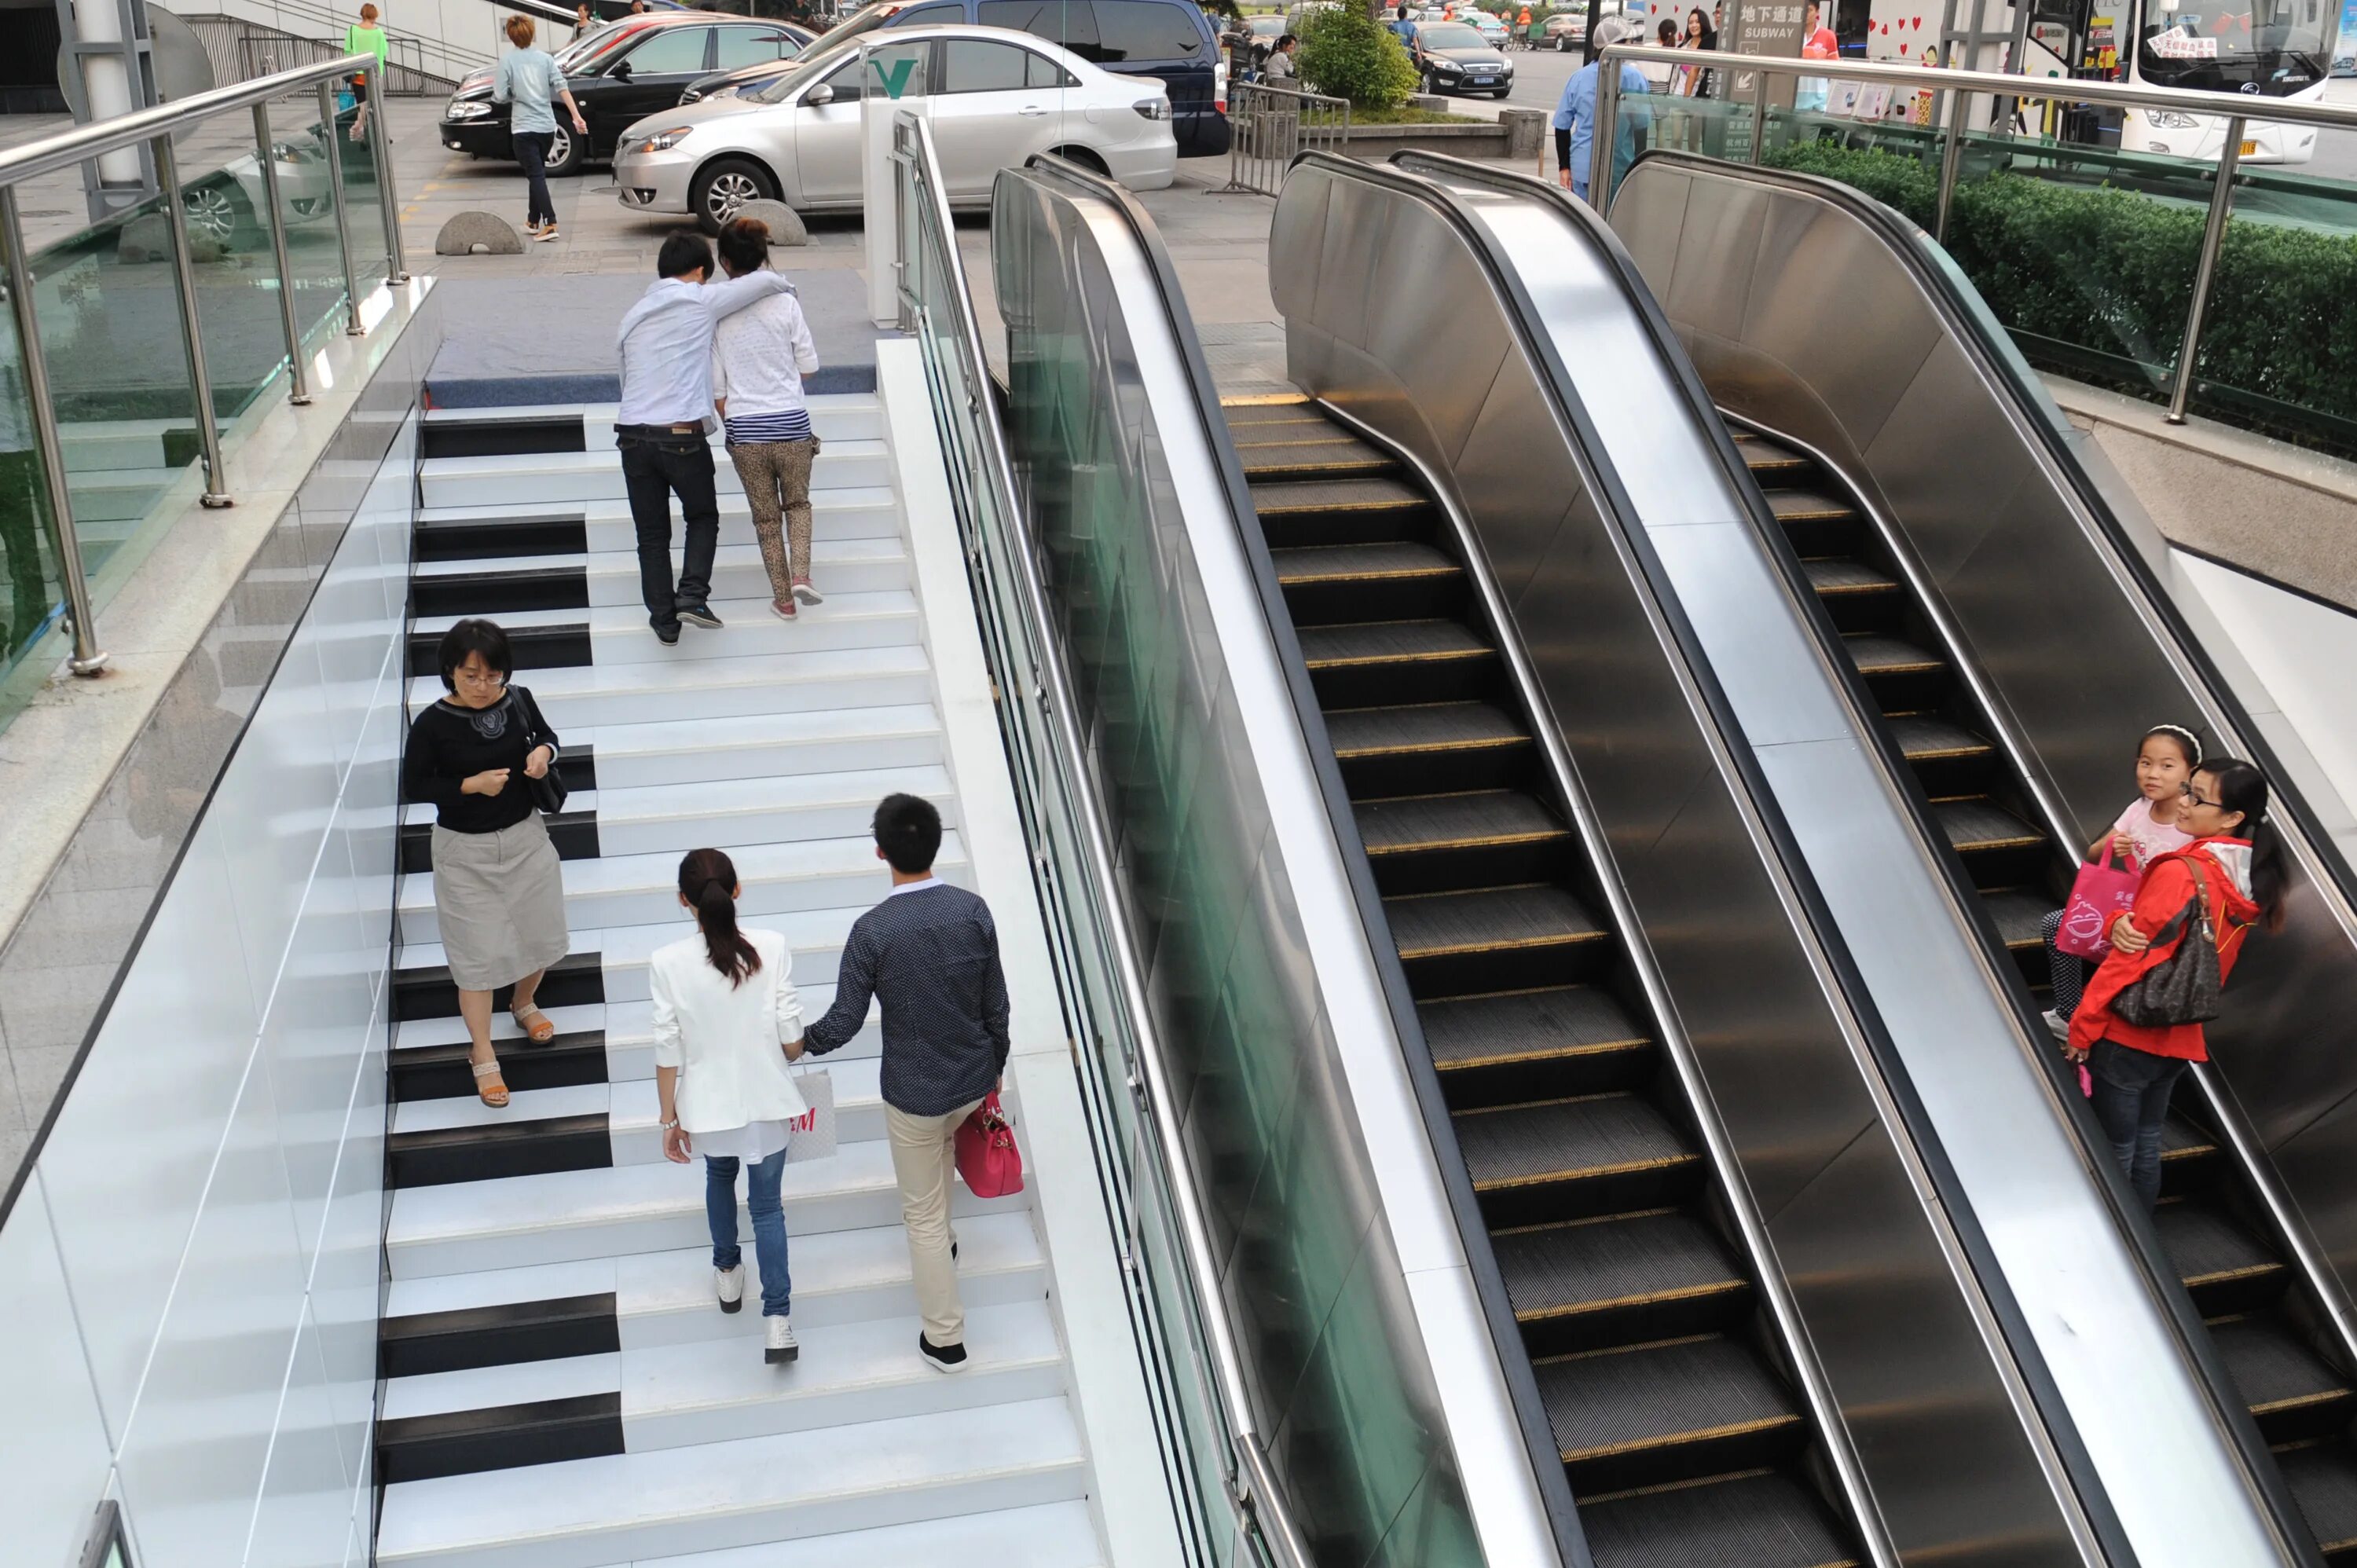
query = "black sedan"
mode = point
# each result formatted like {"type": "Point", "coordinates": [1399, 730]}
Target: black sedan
{"type": "Point", "coordinates": [1452, 58]}
{"type": "Point", "coordinates": [654, 60]}
{"type": "Point", "coordinates": [749, 78]}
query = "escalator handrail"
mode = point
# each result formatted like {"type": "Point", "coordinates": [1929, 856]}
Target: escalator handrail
{"type": "Point", "coordinates": [1968, 327]}
{"type": "Point", "coordinates": [1490, 1287]}
{"type": "Point", "coordinates": [1252, 1479]}
{"type": "Point", "coordinates": [1614, 506]}
{"type": "Point", "coordinates": [2161, 1277]}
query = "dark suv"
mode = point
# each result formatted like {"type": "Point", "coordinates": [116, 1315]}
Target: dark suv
{"type": "Point", "coordinates": [650, 62]}
{"type": "Point", "coordinates": [1169, 40]}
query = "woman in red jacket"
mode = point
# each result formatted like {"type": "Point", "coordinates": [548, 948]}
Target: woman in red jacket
{"type": "Point", "coordinates": [2242, 883]}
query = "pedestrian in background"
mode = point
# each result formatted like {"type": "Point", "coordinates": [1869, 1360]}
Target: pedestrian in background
{"type": "Point", "coordinates": [1279, 69]}
{"type": "Point", "coordinates": [929, 952]}
{"type": "Point", "coordinates": [759, 357]}
{"type": "Point", "coordinates": [365, 38]}
{"type": "Point", "coordinates": [498, 891]}
{"type": "Point", "coordinates": [530, 82]}
{"type": "Point", "coordinates": [726, 1020]}
{"type": "Point", "coordinates": [585, 20]}
{"type": "Point", "coordinates": [1575, 115]}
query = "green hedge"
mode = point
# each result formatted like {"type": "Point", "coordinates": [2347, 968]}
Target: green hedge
{"type": "Point", "coordinates": [1346, 53]}
{"type": "Point", "coordinates": [2111, 271]}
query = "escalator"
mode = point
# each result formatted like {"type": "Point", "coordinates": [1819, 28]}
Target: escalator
{"type": "Point", "coordinates": [2261, 1318]}
{"type": "Point", "coordinates": [1680, 1435]}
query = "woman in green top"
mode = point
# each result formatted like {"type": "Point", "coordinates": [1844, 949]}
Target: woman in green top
{"type": "Point", "coordinates": [364, 37]}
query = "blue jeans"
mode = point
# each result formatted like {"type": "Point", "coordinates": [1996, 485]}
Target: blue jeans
{"type": "Point", "coordinates": [768, 1224]}
{"type": "Point", "coordinates": [2131, 1100]}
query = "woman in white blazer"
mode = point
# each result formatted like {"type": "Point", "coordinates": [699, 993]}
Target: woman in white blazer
{"type": "Point", "coordinates": [726, 1021]}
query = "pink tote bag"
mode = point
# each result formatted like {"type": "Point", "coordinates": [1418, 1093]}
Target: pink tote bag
{"type": "Point", "coordinates": [2100, 894]}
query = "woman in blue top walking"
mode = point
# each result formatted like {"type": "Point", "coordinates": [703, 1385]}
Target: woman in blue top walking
{"type": "Point", "coordinates": [1575, 115]}
{"type": "Point", "coordinates": [530, 81]}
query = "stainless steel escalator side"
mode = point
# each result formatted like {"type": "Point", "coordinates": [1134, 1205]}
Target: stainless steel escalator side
{"type": "Point", "coordinates": [1421, 1400]}
{"type": "Point", "coordinates": [1386, 315]}
{"type": "Point", "coordinates": [2044, 579]}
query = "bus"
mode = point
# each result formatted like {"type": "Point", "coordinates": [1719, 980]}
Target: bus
{"type": "Point", "coordinates": [2263, 48]}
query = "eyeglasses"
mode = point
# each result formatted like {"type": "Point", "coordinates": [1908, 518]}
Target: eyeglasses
{"type": "Point", "coordinates": [2186, 790]}
{"type": "Point", "coordinates": [479, 677]}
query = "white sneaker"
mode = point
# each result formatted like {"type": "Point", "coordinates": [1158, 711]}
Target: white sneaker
{"type": "Point", "coordinates": [808, 595]}
{"type": "Point", "coordinates": [782, 1345]}
{"type": "Point", "coordinates": [729, 1284]}
{"type": "Point", "coordinates": [2058, 1024]}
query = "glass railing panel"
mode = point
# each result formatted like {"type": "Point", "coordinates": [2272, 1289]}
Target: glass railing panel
{"type": "Point", "coordinates": [315, 261]}
{"type": "Point", "coordinates": [31, 593]}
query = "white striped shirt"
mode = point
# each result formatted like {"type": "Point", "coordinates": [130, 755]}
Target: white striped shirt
{"type": "Point", "coordinates": [759, 357]}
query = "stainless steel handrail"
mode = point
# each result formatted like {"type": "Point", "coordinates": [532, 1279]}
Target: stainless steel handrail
{"type": "Point", "coordinates": [1251, 1479]}
{"type": "Point", "coordinates": [2236, 109]}
{"type": "Point", "coordinates": [156, 128]}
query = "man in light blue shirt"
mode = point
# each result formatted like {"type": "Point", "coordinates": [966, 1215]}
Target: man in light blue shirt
{"type": "Point", "coordinates": [529, 81]}
{"type": "Point", "coordinates": [1403, 26]}
{"type": "Point", "coordinates": [664, 426]}
{"type": "Point", "coordinates": [1575, 116]}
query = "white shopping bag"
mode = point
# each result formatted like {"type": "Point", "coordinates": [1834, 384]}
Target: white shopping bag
{"type": "Point", "coordinates": [811, 1136]}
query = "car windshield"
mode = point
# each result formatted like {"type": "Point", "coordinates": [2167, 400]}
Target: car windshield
{"type": "Point", "coordinates": [2270, 47]}
{"type": "Point", "coordinates": [816, 61]}
{"type": "Point", "coordinates": [1448, 36]}
{"type": "Point", "coordinates": [1265, 27]}
{"type": "Point", "coordinates": [864, 20]}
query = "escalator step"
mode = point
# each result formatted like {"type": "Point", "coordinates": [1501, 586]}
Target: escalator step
{"type": "Point", "coordinates": [2019, 915]}
{"type": "Point", "coordinates": [1842, 575]}
{"type": "Point", "coordinates": [1478, 818]}
{"type": "Point", "coordinates": [1976, 826]}
{"type": "Point", "coordinates": [2285, 1382]}
{"type": "Point", "coordinates": [1300, 457]}
{"type": "Point", "coordinates": [1568, 1141]}
{"type": "Point", "coordinates": [1923, 738]}
{"type": "Point", "coordinates": [2181, 1139]}
{"type": "Point", "coordinates": [1890, 656]}
{"type": "Point", "coordinates": [1471, 1032]}
{"type": "Point", "coordinates": [1243, 410]}
{"type": "Point", "coordinates": [1326, 583]}
{"type": "Point", "coordinates": [1593, 1266]}
{"type": "Point", "coordinates": [1325, 648]}
{"type": "Point", "coordinates": [2209, 1249]}
{"type": "Point", "coordinates": [1769, 461]}
{"type": "Point", "coordinates": [1808, 506]}
{"type": "Point", "coordinates": [1289, 499]}
{"type": "Point", "coordinates": [1762, 1520]}
{"type": "Point", "coordinates": [1424, 727]}
{"type": "Point", "coordinates": [1329, 564]}
{"type": "Point", "coordinates": [1489, 919]}
{"type": "Point", "coordinates": [2323, 1481]}
{"type": "Point", "coordinates": [1614, 1410]}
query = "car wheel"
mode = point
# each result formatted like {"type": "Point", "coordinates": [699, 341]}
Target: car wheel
{"type": "Point", "coordinates": [220, 211]}
{"type": "Point", "coordinates": [1428, 86]}
{"type": "Point", "coordinates": [1085, 156]}
{"type": "Point", "coordinates": [725, 185]}
{"type": "Point", "coordinates": [565, 153]}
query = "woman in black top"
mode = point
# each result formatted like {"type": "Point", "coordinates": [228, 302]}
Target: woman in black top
{"type": "Point", "coordinates": [499, 896]}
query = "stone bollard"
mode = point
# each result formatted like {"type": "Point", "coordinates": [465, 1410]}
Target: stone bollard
{"type": "Point", "coordinates": [784, 224]}
{"type": "Point", "coordinates": [1432, 101]}
{"type": "Point", "coordinates": [472, 231]}
{"type": "Point", "coordinates": [1526, 131]}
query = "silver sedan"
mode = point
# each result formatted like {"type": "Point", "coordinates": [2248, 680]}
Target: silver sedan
{"type": "Point", "coordinates": [994, 98]}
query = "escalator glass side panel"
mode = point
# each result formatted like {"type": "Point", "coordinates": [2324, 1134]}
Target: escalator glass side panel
{"type": "Point", "coordinates": [1678, 1433]}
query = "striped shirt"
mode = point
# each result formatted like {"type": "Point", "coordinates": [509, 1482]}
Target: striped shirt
{"type": "Point", "coordinates": [930, 955]}
{"type": "Point", "coordinates": [759, 357]}
{"type": "Point", "coordinates": [752, 429]}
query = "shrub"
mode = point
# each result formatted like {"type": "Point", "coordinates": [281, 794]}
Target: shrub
{"type": "Point", "coordinates": [1347, 54]}
{"type": "Point", "coordinates": [2097, 268]}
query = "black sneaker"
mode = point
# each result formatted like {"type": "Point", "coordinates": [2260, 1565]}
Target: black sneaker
{"type": "Point", "coordinates": [699, 615]}
{"type": "Point", "coordinates": [941, 1357]}
{"type": "Point", "coordinates": [668, 636]}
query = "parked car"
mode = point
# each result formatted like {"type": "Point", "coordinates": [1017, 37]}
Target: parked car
{"type": "Point", "coordinates": [657, 58]}
{"type": "Point", "coordinates": [1169, 40]}
{"type": "Point", "coordinates": [226, 203]}
{"type": "Point", "coordinates": [1454, 57]}
{"type": "Point", "coordinates": [1568, 30]}
{"type": "Point", "coordinates": [751, 78]}
{"type": "Point", "coordinates": [993, 99]}
{"type": "Point", "coordinates": [1493, 32]}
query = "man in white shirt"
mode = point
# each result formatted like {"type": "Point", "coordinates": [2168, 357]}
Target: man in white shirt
{"type": "Point", "coordinates": [665, 421]}
{"type": "Point", "coordinates": [759, 360]}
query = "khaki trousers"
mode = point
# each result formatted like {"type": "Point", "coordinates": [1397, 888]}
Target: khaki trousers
{"type": "Point", "coordinates": [776, 475]}
{"type": "Point", "coordinates": [924, 1156]}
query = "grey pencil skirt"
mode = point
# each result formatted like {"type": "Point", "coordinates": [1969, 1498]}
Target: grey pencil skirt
{"type": "Point", "coordinates": [498, 899]}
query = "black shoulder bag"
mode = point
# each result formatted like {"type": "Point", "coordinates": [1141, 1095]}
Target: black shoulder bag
{"type": "Point", "coordinates": [2184, 987]}
{"type": "Point", "coordinates": [548, 790]}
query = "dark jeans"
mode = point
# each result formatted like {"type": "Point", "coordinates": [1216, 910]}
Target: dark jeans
{"type": "Point", "coordinates": [2131, 1100]}
{"type": "Point", "coordinates": [768, 1224]}
{"type": "Point", "coordinates": [653, 470]}
{"type": "Point", "coordinates": [532, 156]}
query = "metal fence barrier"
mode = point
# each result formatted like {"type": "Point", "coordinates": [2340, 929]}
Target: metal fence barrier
{"type": "Point", "coordinates": [1958, 88]}
{"type": "Point", "coordinates": [156, 128]}
{"type": "Point", "coordinates": [1269, 126]}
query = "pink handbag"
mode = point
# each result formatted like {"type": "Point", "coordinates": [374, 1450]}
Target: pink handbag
{"type": "Point", "coordinates": [2100, 894]}
{"type": "Point", "coordinates": [987, 1155]}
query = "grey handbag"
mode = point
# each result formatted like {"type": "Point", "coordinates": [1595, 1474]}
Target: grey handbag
{"type": "Point", "coordinates": [2184, 987]}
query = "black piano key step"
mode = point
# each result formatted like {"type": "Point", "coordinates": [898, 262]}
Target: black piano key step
{"type": "Point", "coordinates": [504, 1437]}
{"type": "Point", "coordinates": [501, 538]}
{"type": "Point", "coordinates": [575, 834]}
{"type": "Point", "coordinates": [444, 1071]}
{"type": "Point", "coordinates": [575, 980]}
{"type": "Point", "coordinates": [447, 436]}
{"type": "Point", "coordinates": [504, 1148]}
{"type": "Point", "coordinates": [495, 594]}
{"type": "Point", "coordinates": [565, 645]}
{"type": "Point", "coordinates": [418, 1344]}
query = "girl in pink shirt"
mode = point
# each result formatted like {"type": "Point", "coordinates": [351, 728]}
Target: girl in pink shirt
{"type": "Point", "coordinates": [2147, 829]}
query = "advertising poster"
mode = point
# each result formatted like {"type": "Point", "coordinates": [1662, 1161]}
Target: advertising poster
{"type": "Point", "coordinates": [2344, 46]}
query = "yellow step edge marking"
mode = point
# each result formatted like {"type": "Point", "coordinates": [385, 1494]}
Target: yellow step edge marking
{"type": "Point", "coordinates": [1585, 1173]}
{"type": "Point", "coordinates": [1264, 399]}
{"type": "Point", "coordinates": [1420, 846]}
{"type": "Point", "coordinates": [1552, 1053]}
{"type": "Point", "coordinates": [2299, 1401]}
{"type": "Point", "coordinates": [1511, 944]}
{"type": "Point", "coordinates": [2248, 1272]}
{"type": "Point", "coordinates": [1679, 1439]}
{"type": "Point", "coordinates": [1352, 661]}
{"type": "Point", "coordinates": [1683, 1292]}
{"type": "Point", "coordinates": [1422, 747]}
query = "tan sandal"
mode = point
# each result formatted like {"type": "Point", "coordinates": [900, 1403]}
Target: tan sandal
{"type": "Point", "coordinates": [540, 1033]}
{"type": "Point", "coordinates": [489, 1085]}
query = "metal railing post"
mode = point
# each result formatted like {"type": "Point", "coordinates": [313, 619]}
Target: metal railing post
{"type": "Point", "coordinates": [1758, 114]}
{"type": "Point", "coordinates": [298, 385]}
{"type": "Point", "coordinates": [87, 657]}
{"type": "Point", "coordinates": [352, 327]}
{"type": "Point", "coordinates": [1951, 157]}
{"type": "Point", "coordinates": [2213, 238]}
{"type": "Point", "coordinates": [396, 264]}
{"type": "Point", "coordinates": [192, 333]}
{"type": "Point", "coordinates": [1605, 134]}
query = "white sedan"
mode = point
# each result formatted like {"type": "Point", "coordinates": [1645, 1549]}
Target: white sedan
{"type": "Point", "coordinates": [994, 98]}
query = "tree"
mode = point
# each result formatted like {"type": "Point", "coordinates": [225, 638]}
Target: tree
{"type": "Point", "coordinates": [1346, 53]}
